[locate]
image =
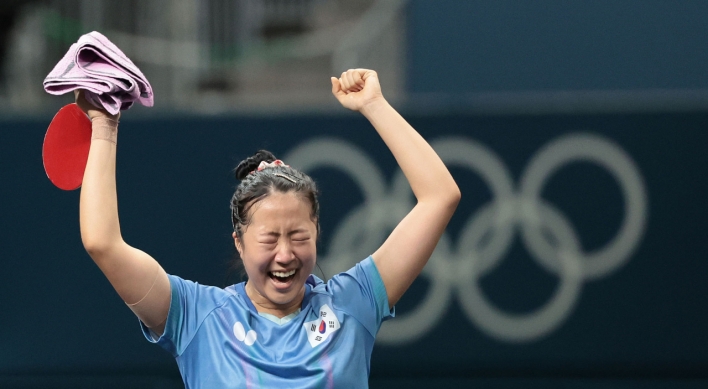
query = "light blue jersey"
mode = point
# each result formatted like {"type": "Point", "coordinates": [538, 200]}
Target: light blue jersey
{"type": "Point", "coordinates": [220, 341]}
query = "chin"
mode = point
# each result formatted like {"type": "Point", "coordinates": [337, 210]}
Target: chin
{"type": "Point", "coordinates": [279, 298]}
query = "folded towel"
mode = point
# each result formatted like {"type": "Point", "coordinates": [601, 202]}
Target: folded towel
{"type": "Point", "coordinates": [110, 78]}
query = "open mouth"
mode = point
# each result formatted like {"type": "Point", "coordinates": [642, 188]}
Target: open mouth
{"type": "Point", "coordinates": [282, 277]}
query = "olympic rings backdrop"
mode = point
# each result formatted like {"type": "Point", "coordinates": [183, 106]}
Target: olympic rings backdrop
{"type": "Point", "coordinates": [579, 247]}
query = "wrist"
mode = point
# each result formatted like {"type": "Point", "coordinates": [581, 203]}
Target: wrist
{"type": "Point", "coordinates": [104, 128]}
{"type": "Point", "coordinates": [374, 105]}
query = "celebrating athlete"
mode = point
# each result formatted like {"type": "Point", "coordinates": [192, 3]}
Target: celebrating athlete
{"type": "Point", "coordinates": [283, 326]}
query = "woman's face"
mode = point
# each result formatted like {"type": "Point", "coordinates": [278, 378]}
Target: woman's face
{"type": "Point", "coordinates": [278, 252]}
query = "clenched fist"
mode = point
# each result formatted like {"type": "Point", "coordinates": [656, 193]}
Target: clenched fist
{"type": "Point", "coordinates": [357, 88]}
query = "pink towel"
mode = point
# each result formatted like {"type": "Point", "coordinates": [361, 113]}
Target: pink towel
{"type": "Point", "coordinates": [111, 79]}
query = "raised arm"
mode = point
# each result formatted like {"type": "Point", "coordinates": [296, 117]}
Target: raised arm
{"type": "Point", "coordinates": [406, 251]}
{"type": "Point", "coordinates": [138, 278]}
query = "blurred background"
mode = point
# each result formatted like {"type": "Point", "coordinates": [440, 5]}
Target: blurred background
{"type": "Point", "coordinates": [576, 131]}
{"type": "Point", "coordinates": [211, 56]}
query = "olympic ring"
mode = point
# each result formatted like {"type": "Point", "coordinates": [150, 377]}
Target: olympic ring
{"type": "Point", "coordinates": [488, 234]}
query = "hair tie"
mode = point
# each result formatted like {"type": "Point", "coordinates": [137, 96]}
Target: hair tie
{"type": "Point", "coordinates": [265, 165]}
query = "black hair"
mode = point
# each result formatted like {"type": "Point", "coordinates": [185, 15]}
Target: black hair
{"type": "Point", "coordinates": [258, 184]}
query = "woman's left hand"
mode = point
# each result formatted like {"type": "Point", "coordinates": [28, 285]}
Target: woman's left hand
{"type": "Point", "coordinates": [357, 88]}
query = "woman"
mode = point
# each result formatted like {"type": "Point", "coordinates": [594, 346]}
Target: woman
{"type": "Point", "coordinates": [283, 327]}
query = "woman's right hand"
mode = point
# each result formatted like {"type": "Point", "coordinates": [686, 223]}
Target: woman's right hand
{"type": "Point", "coordinates": [89, 109]}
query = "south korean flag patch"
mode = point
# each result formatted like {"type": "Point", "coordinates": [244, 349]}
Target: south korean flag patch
{"type": "Point", "coordinates": [319, 330]}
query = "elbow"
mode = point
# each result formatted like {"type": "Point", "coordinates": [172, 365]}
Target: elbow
{"type": "Point", "coordinates": [444, 197]}
{"type": "Point", "coordinates": [96, 247]}
{"type": "Point", "coordinates": [447, 198]}
{"type": "Point", "coordinates": [453, 196]}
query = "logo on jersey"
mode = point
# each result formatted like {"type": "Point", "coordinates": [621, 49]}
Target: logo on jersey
{"type": "Point", "coordinates": [319, 330]}
{"type": "Point", "coordinates": [246, 337]}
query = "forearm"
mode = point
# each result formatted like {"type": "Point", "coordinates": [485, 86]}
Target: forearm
{"type": "Point", "coordinates": [98, 207]}
{"type": "Point", "coordinates": [426, 173]}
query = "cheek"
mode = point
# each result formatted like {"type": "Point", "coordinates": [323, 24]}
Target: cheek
{"type": "Point", "coordinates": [306, 252]}
{"type": "Point", "coordinates": [255, 259]}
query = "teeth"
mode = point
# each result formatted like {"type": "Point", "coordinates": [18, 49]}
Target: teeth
{"type": "Point", "coordinates": [283, 274]}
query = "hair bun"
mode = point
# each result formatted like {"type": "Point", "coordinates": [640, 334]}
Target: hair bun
{"type": "Point", "coordinates": [251, 163]}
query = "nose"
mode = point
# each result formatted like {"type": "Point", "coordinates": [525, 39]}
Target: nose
{"type": "Point", "coordinates": [285, 254]}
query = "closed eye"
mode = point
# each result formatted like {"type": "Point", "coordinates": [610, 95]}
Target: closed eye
{"type": "Point", "coordinates": [268, 243]}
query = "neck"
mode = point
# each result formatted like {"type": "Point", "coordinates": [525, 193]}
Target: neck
{"type": "Point", "coordinates": [264, 305]}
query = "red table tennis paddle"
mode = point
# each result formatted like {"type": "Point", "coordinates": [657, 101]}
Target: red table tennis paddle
{"type": "Point", "coordinates": [66, 147]}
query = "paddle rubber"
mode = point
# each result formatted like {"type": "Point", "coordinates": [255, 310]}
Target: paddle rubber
{"type": "Point", "coordinates": [66, 147]}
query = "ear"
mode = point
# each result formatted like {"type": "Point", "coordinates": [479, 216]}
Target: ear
{"type": "Point", "coordinates": [237, 243]}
